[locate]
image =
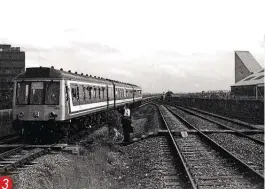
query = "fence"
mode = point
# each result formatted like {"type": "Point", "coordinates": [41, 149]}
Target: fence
{"type": "Point", "coordinates": [221, 94]}
{"type": "Point", "coordinates": [251, 111]}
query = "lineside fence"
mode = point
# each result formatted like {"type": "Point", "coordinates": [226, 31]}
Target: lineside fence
{"type": "Point", "coordinates": [251, 111]}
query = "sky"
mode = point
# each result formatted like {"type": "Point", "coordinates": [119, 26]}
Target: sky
{"type": "Point", "coordinates": [183, 46]}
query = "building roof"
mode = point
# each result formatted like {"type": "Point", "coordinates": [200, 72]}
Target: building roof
{"type": "Point", "coordinates": [256, 78]}
{"type": "Point", "coordinates": [249, 61]}
{"type": "Point", "coordinates": [51, 73]}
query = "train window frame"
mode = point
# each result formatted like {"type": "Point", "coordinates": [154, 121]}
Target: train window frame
{"type": "Point", "coordinates": [89, 92]}
{"type": "Point", "coordinates": [45, 93]}
{"type": "Point", "coordinates": [66, 93]}
{"type": "Point", "coordinates": [103, 92]}
{"type": "Point", "coordinates": [27, 97]}
{"type": "Point", "coordinates": [41, 100]}
{"type": "Point", "coordinates": [84, 93]}
{"type": "Point", "coordinates": [77, 90]}
{"type": "Point", "coordinates": [99, 93]}
{"type": "Point", "coordinates": [95, 93]}
{"type": "Point", "coordinates": [80, 93]}
{"type": "Point", "coordinates": [110, 91]}
{"type": "Point", "coordinates": [73, 92]}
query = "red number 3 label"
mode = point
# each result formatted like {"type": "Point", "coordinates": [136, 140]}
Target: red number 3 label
{"type": "Point", "coordinates": [6, 182]}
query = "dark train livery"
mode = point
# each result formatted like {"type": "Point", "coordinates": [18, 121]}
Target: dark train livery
{"type": "Point", "coordinates": [60, 100]}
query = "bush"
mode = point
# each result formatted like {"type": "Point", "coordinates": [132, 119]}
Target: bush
{"type": "Point", "coordinates": [114, 122]}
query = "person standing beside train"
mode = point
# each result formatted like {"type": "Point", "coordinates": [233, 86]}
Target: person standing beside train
{"type": "Point", "coordinates": [126, 124]}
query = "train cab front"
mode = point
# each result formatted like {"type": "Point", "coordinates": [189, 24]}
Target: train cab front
{"type": "Point", "coordinates": [36, 106]}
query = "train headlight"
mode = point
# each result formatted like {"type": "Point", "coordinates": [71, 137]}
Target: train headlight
{"type": "Point", "coordinates": [21, 114]}
{"type": "Point", "coordinates": [52, 114]}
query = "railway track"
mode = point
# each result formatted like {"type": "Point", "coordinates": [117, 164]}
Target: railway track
{"type": "Point", "coordinates": [9, 138]}
{"type": "Point", "coordinates": [170, 171]}
{"type": "Point", "coordinates": [232, 123]}
{"type": "Point", "coordinates": [251, 153]}
{"type": "Point", "coordinates": [19, 156]}
{"type": "Point", "coordinates": [216, 124]}
{"type": "Point", "coordinates": [22, 156]}
{"type": "Point", "coordinates": [206, 163]}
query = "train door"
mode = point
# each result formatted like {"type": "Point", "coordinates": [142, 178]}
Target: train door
{"type": "Point", "coordinates": [107, 89]}
{"type": "Point", "coordinates": [114, 95]}
{"type": "Point", "coordinates": [133, 95]}
{"type": "Point", "coordinates": [67, 99]}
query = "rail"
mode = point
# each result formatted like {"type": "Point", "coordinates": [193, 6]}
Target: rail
{"type": "Point", "coordinates": [220, 148]}
{"type": "Point", "coordinates": [193, 179]}
{"type": "Point", "coordinates": [178, 151]}
{"type": "Point", "coordinates": [222, 125]}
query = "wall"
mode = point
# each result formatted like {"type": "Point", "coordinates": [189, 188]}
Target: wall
{"type": "Point", "coordinates": [251, 111]}
{"type": "Point", "coordinates": [241, 70]}
{"type": "Point", "coordinates": [12, 63]}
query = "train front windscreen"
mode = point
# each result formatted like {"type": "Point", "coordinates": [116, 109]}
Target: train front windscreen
{"type": "Point", "coordinates": [38, 93]}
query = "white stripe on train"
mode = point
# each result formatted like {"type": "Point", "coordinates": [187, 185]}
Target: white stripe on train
{"type": "Point", "coordinates": [99, 105]}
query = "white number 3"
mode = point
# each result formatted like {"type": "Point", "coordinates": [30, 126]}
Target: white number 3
{"type": "Point", "coordinates": [6, 183]}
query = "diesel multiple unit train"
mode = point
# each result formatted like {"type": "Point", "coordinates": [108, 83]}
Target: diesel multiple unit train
{"type": "Point", "coordinates": [51, 100]}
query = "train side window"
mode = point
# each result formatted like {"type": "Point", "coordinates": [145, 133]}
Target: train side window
{"type": "Point", "coordinates": [103, 92]}
{"type": "Point", "coordinates": [75, 95]}
{"type": "Point", "coordinates": [66, 93]}
{"type": "Point", "coordinates": [22, 93]}
{"type": "Point", "coordinates": [80, 93]}
{"type": "Point", "coordinates": [84, 92]}
{"type": "Point", "coordinates": [89, 89]}
{"type": "Point", "coordinates": [92, 93]}
{"type": "Point", "coordinates": [110, 92]}
{"type": "Point", "coordinates": [77, 92]}
{"type": "Point", "coordinates": [99, 95]}
{"type": "Point", "coordinates": [74, 92]}
{"type": "Point", "coordinates": [95, 92]}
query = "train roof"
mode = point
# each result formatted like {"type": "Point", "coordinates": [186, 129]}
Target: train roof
{"type": "Point", "coordinates": [44, 72]}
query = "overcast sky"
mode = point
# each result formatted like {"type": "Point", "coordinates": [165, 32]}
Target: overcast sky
{"type": "Point", "coordinates": [184, 46]}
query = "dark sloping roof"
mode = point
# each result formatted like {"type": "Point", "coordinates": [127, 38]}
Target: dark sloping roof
{"type": "Point", "coordinates": [256, 78]}
{"type": "Point", "coordinates": [44, 72]}
{"type": "Point", "coordinates": [249, 61]}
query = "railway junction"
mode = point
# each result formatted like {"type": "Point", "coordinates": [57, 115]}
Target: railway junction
{"type": "Point", "coordinates": [172, 147]}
